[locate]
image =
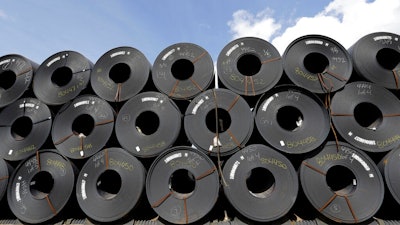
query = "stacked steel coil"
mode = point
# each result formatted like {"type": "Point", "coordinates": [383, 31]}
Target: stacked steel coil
{"type": "Point", "coordinates": [308, 137]}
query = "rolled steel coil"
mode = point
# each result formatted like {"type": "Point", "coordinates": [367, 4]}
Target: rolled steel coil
{"type": "Point", "coordinates": [292, 119]}
{"type": "Point", "coordinates": [317, 63]}
{"type": "Point", "coordinates": [5, 174]}
{"type": "Point", "coordinates": [388, 167]}
{"type": "Point", "coordinates": [367, 116]}
{"type": "Point", "coordinates": [120, 74]}
{"type": "Point", "coordinates": [16, 74]}
{"type": "Point", "coordinates": [249, 66]}
{"type": "Point", "coordinates": [24, 127]}
{"type": "Point", "coordinates": [148, 124]}
{"type": "Point", "coordinates": [342, 183]}
{"type": "Point", "coordinates": [62, 77]}
{"type": "Point", "coordinates": [218, 121]}
{"type": "Point", "coordinates": [41, 186]}
{"type": "Point", "coordinates": [182, 185]}
{"type": "Point", "coordinates": [110, 185]}
{"type": "Point", "coordinates": [83, 126]}
{"type": "Point", "coordinates": [376, 58]}
{"type": "Point", "coordinates": [183, 70]}
{"type": "Point", "coordinates": [261, 183]}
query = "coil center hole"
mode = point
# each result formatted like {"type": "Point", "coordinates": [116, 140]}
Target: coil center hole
{"type": "Point", "coordinates": [182, 69]}
{"type": "Point", "coordinates": [260, 182]}
{"type": "Point", "coordinates": [41, 184]}
{"type": "Point", "coordinates": [223, 123]}
{"type": "Point", "coordinates": [248, 64]}
{"type": "Point", "coordinates": [108, 184]}
{"type": "Point", "coordinates": [341, 180]}
{"type": "Point", "coordinates": [7, 79]}
{"type": "Point", "coordinates": [368, 115]}
{"type": "Point", "coordinates": [120, 73]}
{"type": "Point", "coordinates": [61, 76]}
{"type": "Point", "coordinates": [289, 118]}
{"type": "Point", "coordinates": [182, 183]}
{"type": "Point", "coordinates": [147, 123]}
{"type": "Point", "coordinates": [388, 58]}
{"type": "Point", "coordinates": [316, 62]}
{"type": "Point", "coordinates": [83, 124]}
{"type": "Point", "coordinates": [21, 128]}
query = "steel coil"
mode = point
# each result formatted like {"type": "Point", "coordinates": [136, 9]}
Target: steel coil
{"type": "Point", "coordinates": [62, 77]}
{"type": "Point", "coordinates": [292, 119]}
{"type": "Point", "coordinates": [5, 174]}
{"type": "Point", "coordinates": [317, 63]}
{"type": "Point", "coordinates": [110, 185]}
{"type": "Point", "coordinates": [367, 116]}
{"type": "Point", "coordinates": [249, 66]}
{"type": "Point", "coordinates": [261, 183]}
{"type": "Point", "coordinates": [16, 74]}
{"type": "Point", "coordinates": [388, 167]}
{"type": "Point", "coordinates": [41, 186]}
{"type": "Point", "coordinates": [183, 70]}
{"type": "Point", "coordinates": [24, 127]}
{"type": "Point", "coordinates": [83, 126]}
{"type": "Point", "coordinates": [218, 121]}
{"type": "Point", "coordinates": [148, 124]}
{"type": "Point", "coordinates": [376, 58]}
{"type": "Point", "coordinates": [342, 183]}
{"type": "Point", "coordinates": [182, 185]}
{"type": "Point", "coordinates": [120, 74]}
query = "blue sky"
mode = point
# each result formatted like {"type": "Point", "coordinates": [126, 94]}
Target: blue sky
{"type": "Point", "coordinates": [38, 29]}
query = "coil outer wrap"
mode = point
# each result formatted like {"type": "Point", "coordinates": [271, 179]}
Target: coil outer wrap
{"type": "Point", "coordinates": [312, 128]}
{"type": "Point", "coordinates": [167, 203]}
{"type": "Point", "coordinates": [23, 69]}
{"type": "Point", "coordinates": [231, 138]}
{"type": "Point", "coordinates": [333, 77]}
{"type": "Point", "coordinates": [103, 84]}
{"type": "Point", "coordinates": [364, 54]}
{"type": "Point", "coordinates": [271, 204]}
{"type": "Point", "coordinates": [383, 135]}
{"type": "Point", "coordinates": [190, 85]}
{"type": "Point", "coordinates": [31, 208]}
{"type": "Point", "coordinates": [76, 145]}
{"type": "Point", "coordinates": [5, 174]}
{"type": "Point", "coordinates": [148, 145]}
{"type": "Point", "coordinates": [46, 90]}
{"type": "Point", "coordinates": [132, 173]}
{"type": "Point", "coordinates": [13, 147]}
{"type": "Point", "coordinates": [366, 191]}
{"type": "Point", "coordinates": [270, 62]}
{"type": "Point", "coordinates": [389, 168]}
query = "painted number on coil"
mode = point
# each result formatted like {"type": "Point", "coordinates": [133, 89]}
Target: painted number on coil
{"type": "Point", "coordinates": [122, 164]}
{"type": "Point", "coordinates": [72, 89]}
{"type": "Point", "coordinates": [306, 75]}
{"type": "Point", "coordinates": [364, 89]}
{"type": "Point", "coordinates": [106, 83]}
{"type": "Point", "coordinates": [273, 161]}
{"type": "Point", "coordinates": [388, 141]}
{"type": "Point", "coordinates": [321, 160]}
{"type": "Point", "coordinates": [293, 95]}
{"type": "Point", "coordinates": [25, 150]}
{"type": "Point", "coordinates": [303, 142]}
{"type": "Point", "coordinates": [240, 79]}
{"type": "Point", "coordinates": [79, 148]}
{"type": "Point", "coordinates": [152, 146]}
{"type": "Point", "coordinates": [31, 165]}
{"type": "Point", "coordinates": [339, 59]}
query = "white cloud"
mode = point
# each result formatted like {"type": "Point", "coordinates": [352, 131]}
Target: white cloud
{"type": "Point", "coordinates": [245, 24]}
{"type": "Point", "coordinates": [343, 20]}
